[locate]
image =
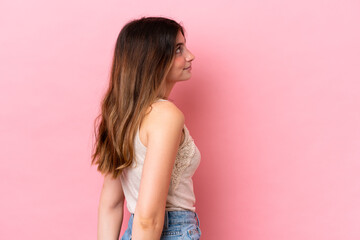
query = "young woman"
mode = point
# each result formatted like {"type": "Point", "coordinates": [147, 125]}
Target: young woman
{"type": "Point", "coordinates": [143, 147]}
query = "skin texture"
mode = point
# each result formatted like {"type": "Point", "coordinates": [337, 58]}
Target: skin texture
{"type": "Point", "coordinates": [161, 131]}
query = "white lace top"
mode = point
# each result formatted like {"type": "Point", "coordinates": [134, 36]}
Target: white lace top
{"type": "Point", "coordinates": [181, 192]}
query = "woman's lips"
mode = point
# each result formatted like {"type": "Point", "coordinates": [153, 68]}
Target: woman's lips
{"type": "Point", "coordinates": [188, 68]}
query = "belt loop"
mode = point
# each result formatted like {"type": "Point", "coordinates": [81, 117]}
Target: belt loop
{"type": "Point", "coordinates": [197, 219]}
{"type": "Point", "coordinates": [166, 220]}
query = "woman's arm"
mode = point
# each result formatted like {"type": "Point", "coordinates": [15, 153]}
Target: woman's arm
{"type": "Point", "coordinates": [111, 206]}
{"type": "Point", "coordinates": [165, 126]}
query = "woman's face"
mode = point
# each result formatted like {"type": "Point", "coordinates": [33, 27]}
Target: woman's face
{"type": "Point", "coordinates": [181, 68]}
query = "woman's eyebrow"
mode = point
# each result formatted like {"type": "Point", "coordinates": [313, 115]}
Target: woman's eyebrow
{"type": "Point", "coordinates": [180, 43]}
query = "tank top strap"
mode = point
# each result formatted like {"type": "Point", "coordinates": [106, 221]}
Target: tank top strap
{"type": "Point", "coordinates": [160, 99]}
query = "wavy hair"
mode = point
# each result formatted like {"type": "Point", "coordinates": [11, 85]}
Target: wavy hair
{"type": "Point", "coordinates": [143, 55]}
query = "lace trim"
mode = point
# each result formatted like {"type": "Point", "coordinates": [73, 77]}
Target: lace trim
{"type": "Point", "coordinates": [183, 160]}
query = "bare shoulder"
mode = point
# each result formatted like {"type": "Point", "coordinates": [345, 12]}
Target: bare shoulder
{"type": "Point", "coordinates": [161, 117]}
{"type": "Point", "coordinates": [166, 107]}
{"type": "Point", "coordinates": [165, 112]}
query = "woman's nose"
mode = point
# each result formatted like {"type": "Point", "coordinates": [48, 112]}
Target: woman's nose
{"type": "Point", "coordinates": [189, 56]}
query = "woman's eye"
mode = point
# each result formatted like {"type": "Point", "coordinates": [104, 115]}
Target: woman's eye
{"type": "Point", "coordinates": [178, 50]}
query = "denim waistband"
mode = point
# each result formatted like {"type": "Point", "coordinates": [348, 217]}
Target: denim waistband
{"type": "Point", "coordinates": [180, 217]}
{"type": "Point", "coordinates": [177, 218]}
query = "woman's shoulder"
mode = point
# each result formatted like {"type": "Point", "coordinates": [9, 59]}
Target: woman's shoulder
{"type": "Point", "coordinates": [163, 117]}
{"type": "Point", "coordinates": [162, 106]}
{"type": "Point", "coordinates": [162, 113]}
{"type": "Point", "coordinates": [165, 111]}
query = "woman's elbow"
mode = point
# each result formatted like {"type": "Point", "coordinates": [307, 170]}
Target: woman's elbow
{"type": "Point", "coordinates": [111, 204]}
{"type": "Point", "coordinates": [153, 223]}
{"type": "Point", "coordinates": [107, 200]}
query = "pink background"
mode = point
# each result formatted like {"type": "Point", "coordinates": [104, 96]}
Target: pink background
{"type": "Point", "coordinates": [273, 106]}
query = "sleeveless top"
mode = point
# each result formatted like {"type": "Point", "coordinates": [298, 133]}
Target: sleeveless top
{"type": "Point", "coordinates": [181, 191]}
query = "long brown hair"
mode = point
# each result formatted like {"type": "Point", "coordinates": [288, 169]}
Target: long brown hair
{"type": "Point", "coordinates": [143, 55]}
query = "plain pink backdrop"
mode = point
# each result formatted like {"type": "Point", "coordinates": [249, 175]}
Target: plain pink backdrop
{"type": "Point", "coordinates": [273, 106]}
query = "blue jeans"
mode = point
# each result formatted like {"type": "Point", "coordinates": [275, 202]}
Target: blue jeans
{"type": "Point", "coordinates": [177, 225]}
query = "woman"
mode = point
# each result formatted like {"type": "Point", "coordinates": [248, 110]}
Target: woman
{"type": "Point", "coordinates": [143, 147]}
